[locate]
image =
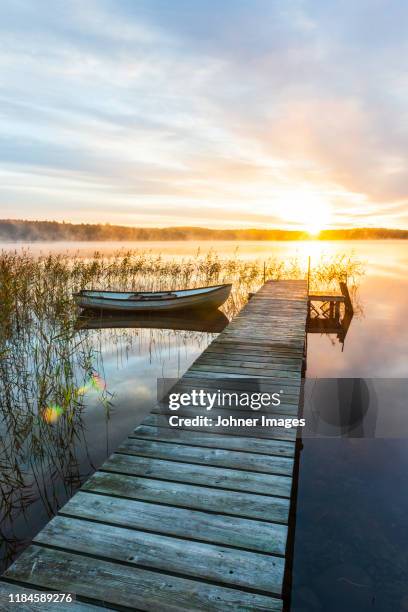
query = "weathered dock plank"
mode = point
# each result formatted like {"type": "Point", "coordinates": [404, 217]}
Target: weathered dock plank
{"type": "Point", "coordinates": [197, 560]}
{"type": "Point", "coordinates": [222, 529]}
{"type": "Point", "coordinates": [190, 518]}
{"type": "Point", "coordinates": [217, 477]}
{"type": "Point", "coordinates": [215, 440]}
{"type": "Point", "coordinates": [267, 464]}
{"type": "Point", "coordinates": [131, 587]}
{"type": "Point", "coordinates": [190, 496]}
{"type": "Point", "coordinates": [248, 534]}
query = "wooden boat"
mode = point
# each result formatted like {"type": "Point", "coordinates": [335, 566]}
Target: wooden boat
{"type": "Point", "coordinates": [145, 301]}
{"type": "Point", "coordinates": [212, 321]}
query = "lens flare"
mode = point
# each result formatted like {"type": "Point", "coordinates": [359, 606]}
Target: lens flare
{"type": "Point", "coordinates": [51, 414]}
{"type": "Point", "coordinates": [97, 382]}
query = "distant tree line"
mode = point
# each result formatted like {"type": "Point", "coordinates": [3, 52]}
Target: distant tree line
{"type": "Point", "coordinates": [20, 230]}
{"type": "Point", "coordinates": [364, 233]}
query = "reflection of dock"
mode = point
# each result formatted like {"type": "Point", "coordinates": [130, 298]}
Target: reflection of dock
{"type": "Point", "coordinates": [330, 313]}
{"type": "Point", "coordinates": [190, 518]}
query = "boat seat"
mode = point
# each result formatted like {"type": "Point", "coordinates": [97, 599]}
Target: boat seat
{"type": "Point", "coordinates": [158, 296]}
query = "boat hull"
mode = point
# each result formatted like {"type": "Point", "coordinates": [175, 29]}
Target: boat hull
{"type": "Point", "coordinates": [185, 300]}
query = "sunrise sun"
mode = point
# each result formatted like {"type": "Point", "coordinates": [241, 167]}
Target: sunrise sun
{"type": "Point", "coordinates": [309, 210]}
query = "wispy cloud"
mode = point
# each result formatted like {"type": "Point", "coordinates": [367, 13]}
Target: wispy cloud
{"type": "Point", "coordinates": [199, 113]}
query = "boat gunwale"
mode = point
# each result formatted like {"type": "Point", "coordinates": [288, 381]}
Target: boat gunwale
{"type": "Point", "coordinates": [83, 292]}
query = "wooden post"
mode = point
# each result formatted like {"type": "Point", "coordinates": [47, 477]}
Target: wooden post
{"type": "Point", "coordinates": [347, 299]}
{"type": "Point", "coordinates": [308, 274]}
{"type": "Point", "coordinates": [264, 272]}
{"type": "Point", "coordinates": [337, 311]}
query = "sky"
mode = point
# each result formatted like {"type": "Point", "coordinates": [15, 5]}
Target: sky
{"type": "Point", "coordinates": [240, 113]}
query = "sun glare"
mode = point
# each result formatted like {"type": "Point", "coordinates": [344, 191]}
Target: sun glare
{"type": "Point", "coordinates": [308, 210]}
{"type": "Point", "coordinates": [314, 228]}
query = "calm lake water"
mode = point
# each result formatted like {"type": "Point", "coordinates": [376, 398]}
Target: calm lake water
{"type": "Point", "coordinates": [351, 538]}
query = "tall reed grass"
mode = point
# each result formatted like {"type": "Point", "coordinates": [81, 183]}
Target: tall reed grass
{"type": "Point", "coordinates": [37, 288]}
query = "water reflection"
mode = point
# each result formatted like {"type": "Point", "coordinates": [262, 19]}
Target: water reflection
{"type": "Point", "coordinates": [335, 325]}
{"type": "Point", "coordinates": [332, 314]}
{"type": "Point", "coordinates": [212, 321]}
{"type": "Point", "coordinates": [351, 529]}
{"type": "Point", "coordinates": [377, 340]}
{"type": "Point", "coordinates": [68, 398]}
{"type": "Point", "coordinates": [40, 424]}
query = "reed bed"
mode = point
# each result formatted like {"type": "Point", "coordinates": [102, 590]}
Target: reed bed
{"type": "Point", "coordinates": [37, 288]}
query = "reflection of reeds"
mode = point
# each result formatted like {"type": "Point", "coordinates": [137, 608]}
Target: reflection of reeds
{"type": "Point", "coordinates": [39, 455]}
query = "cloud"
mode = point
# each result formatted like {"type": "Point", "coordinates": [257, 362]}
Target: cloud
{"type": "Point", "coordinates": [217, 114]}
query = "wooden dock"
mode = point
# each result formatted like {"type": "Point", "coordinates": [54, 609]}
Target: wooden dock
{"type": "Point", "coordinates": [188, 519]}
